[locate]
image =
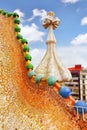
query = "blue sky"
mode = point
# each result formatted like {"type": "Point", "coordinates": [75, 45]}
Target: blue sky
{"type": "Point", "coordinates": [71, 35]}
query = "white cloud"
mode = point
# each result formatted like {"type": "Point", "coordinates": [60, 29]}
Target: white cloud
{"type": "Point", "coordinates": [80, 39]}
{"type": "Point", "coordinates": [36, 12]}
{"type": "Point", "coordinates": [21, 14]}
{"type": "Point", "coordinates": [84, 21]}
{"type": "Point", "coordinates": [69, 1]}
{"type": "Point", "coordinates": [32, 33]}
{"type": "Point", "coordinates": [37, 55]}
{"type": "Point", "coordinates": [70, 55]}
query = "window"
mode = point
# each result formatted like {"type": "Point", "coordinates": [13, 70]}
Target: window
{"type": "Point", "coordinates": [83, 89]}
{"type": "Point", "coordinates": [83, 76]}
{"type": "Point", "coordinates": [83, 81]}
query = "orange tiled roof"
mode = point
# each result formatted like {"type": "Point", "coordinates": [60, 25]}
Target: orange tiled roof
{"type": "Point", "coordinates": [76, 67]}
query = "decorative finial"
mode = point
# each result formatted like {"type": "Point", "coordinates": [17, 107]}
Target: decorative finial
{"type": "Point", "coordinates": [51, 20]}
{"type": "Point", "coordinates": [51, 65]}
{"type": "Point", "coordinates": [51, 13]}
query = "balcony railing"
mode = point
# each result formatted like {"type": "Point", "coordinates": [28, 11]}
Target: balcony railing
{"type": "Point", "coordinates": [81, 109]}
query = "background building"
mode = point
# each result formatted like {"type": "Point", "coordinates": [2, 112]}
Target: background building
{"type": "Point", "coordinates": [75, 83]}
{"type": "Point", "coordinates": [83, 84]}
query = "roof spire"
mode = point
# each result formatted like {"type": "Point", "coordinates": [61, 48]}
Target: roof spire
{"type": "Point", "coordinates": [51, 65]}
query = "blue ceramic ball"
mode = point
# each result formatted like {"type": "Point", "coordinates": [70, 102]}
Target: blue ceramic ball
{"type": "Point", "coordinates": [38, 78]}
{"type": "Point", "coordinates": [31, 73]}
{"type": "Point", "coordinates": [64, 91]}
{"type": "Point", "coordinates": [80, 106]}
{"type": "Point", "coordinates": [51, 80]}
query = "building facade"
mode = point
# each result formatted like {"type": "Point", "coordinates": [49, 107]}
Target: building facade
{"type": "Point", "coordinates": [83, 84]}
{"type": "Point", "coordinates": [75, 83]}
